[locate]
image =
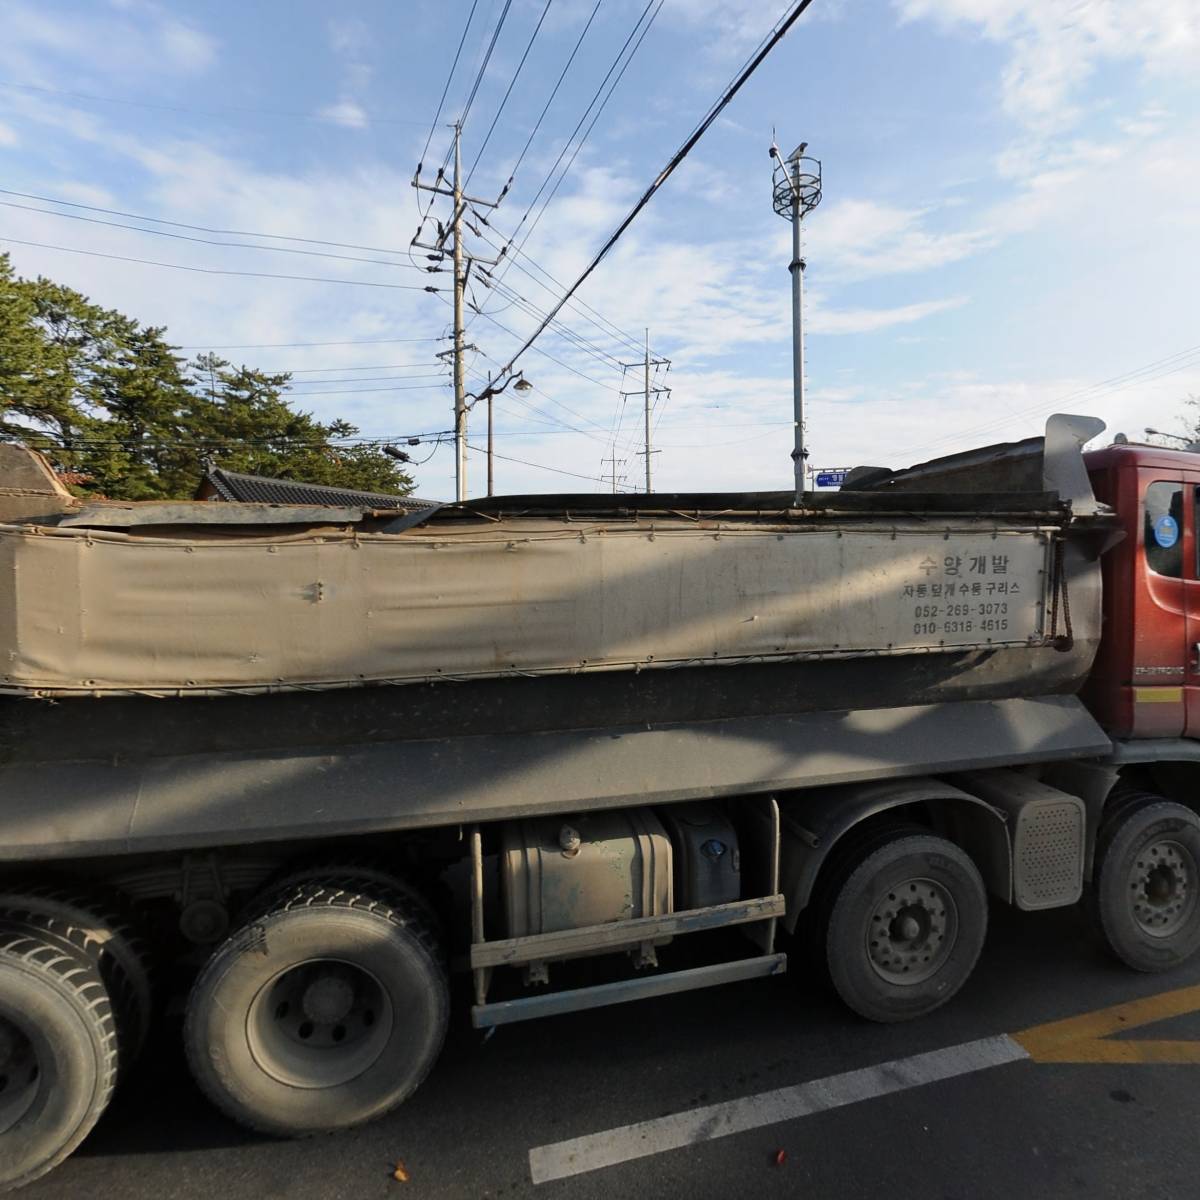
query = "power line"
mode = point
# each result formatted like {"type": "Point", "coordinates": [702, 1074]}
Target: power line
{"type": "Point", "coordinates": [541, 413]}
{"type": "Point", "coordinates": [433, 126]}
{"type": "Point", "coordinates": [368, 379]}
{"type": "Point", "coordinates": [539, 466]}
{"type": "Point", "coordinates": [294, 345]}
{"type": "Point", "coordinates": [1156, 369]}
{"type": "Point", "coordinates": [715, 111]}
{"type": "Point", "coordinates": [603, 104]}
{"type": "Point", "coordinates": [519, 399]}
{"type": "Point", "coordinates": [232, 110]}
{"type": "Point", "coordinates": [554, 92]}
{"type": "Point", "coordinates": [597, 318]}
{"type": "Point", "coordinates": [85, 442]}
{"type": "Point", "coordinates": [403, 287]}
{"type": "Point", "coordinates": [449, 79]}
{"type": "Point", "coordinates": [276, 237]}
{"type": "Point", "coordinates": [483, 66]}
{"type": "Point", "coordinates": [544, 353]}
{"type": "Point", "coordinates": [591, 104]}
{"type": "Point", "coordinates": [587, 133]}
{"type": "Point", "coordinates": [602, 356]}
{"type": "Point", "coordinates": [416, 387]}
{"type": "Point", "coordinates": [184, 237]}
{"type": "Point", "coordinates": [322, 370]}
{"type": "Point", "coordinates": [511, 84]}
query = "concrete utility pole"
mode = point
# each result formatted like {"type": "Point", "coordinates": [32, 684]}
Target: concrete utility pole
{"type": "Point", "coordinates": [796, 191]}
{"type": "Point", "coordinates": [460, 284]}
{"type": "Point", "coordinates": [646, 408]}
{"type": "Point", "coordinates": [646, 392]}
{"type": "Point", "coordinates": [491, 439]}
{"type": "Point", "coordinates": [612, 458]}
{"type": "Point", "coordinates": [461, 262]}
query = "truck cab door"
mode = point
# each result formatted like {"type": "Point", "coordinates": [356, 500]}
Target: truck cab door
{"type": "Point", "coordinates": [1191, 586]}
{"type": "Point", "coordinates": [1164, 583]}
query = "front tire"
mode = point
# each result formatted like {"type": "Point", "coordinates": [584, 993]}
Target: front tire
{"type": "Point", "coordinates": [905, 928]}
{"type": "Point", "coordinates": [323, 1012]}
{"type": "Point", "coordinates": [1146, 884]}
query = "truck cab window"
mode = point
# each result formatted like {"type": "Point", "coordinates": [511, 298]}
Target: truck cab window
{"type": "Point", "coordinates": [1163, 532]}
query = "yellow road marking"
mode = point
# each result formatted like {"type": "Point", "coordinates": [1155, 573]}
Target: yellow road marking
{"type": "Point", "coordinates": [1087, 1037]}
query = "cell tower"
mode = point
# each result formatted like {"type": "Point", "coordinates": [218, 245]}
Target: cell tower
{"type": "Point", "coordinates": [796, 191]}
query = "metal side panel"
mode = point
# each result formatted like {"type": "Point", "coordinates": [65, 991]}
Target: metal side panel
{"type": "Point", "coordinates": [71, 809]}
{"type": "Point", "coordinates": [549, 1004]}
{"type": "Point", "coordinates": [622, 935]}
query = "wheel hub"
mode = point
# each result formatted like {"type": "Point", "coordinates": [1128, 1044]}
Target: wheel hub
{"type": "Point", "coordinates": [1162, 888]}
{"type": "Point", "coordinates": [328, 999]}
{"type": "Point", "coordinates": [319, 1024]}
{"type": "Point", "coordinates": [911, 931]}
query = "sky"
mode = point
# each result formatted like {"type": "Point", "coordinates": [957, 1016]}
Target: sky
{"type": "Point", "coordinates": [1009, 224]}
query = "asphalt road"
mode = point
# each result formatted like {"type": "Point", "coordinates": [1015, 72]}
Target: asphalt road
{"type": "Point", "coordinates": [1027, 1129]}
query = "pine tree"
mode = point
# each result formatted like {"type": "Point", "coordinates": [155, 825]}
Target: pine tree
{"type": "Point", "coordinates": [101, 394]}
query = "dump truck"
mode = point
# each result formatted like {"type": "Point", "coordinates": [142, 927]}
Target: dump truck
{"type": "Point", "coordinates": [308, 761]}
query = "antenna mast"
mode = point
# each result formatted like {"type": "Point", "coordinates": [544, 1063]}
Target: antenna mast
{"type": "Point", "coordinates": [796, 191]}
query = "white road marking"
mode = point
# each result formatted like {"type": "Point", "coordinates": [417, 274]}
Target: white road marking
{"type": "Point", "coordinates": [613, 1146]}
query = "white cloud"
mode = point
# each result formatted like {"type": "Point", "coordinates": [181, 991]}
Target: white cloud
{"type": "Point", "coordinates": [734, 26]}
{"type": "Point", "coordinates": [346, 113]}
{"type": "Point", "coordinates": [186, 47]}
{"type": "Point", "coordinates": [1055, 45]}
{"type": "Point", "coordinates": [349, 35]}
{"type": "Point", "coordinates": [863, 238]}
{"type": "Point", "coordinates": [84, 193]}
{"type": "Point", "coordinates": [140, 38]}
{"type": "Point", "coordinates": [869, 320]}
{"type": "Point", "coordinates": [8, 136]}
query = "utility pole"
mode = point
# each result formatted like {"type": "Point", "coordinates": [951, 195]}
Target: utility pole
{"type": "Point", "coordinates": [461, 265]}
{"type": "Point", "coordinates": [796, 191]}
{"type": "Point", "coordinates": [460, 286]}
{"type": "Point", "coordinates": [612, 458]}
{"type": "Point", "coordinates": [646, 392]}
{"type": "Point", "coordinates": [646, 408]}
{"type": "Point", "coordinates": [491, 437]}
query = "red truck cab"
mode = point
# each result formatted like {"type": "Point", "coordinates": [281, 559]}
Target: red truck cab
{"type": "Point", "coordinates": [1146, 679]}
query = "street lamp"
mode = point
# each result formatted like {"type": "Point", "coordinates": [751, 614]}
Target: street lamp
{"type": "Point", "coordinates": [520, 384]}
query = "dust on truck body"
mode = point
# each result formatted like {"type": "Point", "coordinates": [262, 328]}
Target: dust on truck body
{"type": "Point", "coordinates": [327, 752]}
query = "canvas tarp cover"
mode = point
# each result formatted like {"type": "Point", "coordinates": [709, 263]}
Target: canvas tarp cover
{"type": "Point", "coordinates": [92, 611]}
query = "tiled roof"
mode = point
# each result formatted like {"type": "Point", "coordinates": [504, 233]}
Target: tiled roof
{"type": "Point", "coordinates": [233, 485]}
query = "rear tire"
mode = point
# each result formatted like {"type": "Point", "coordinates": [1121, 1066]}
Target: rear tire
{"type": "Point", "coordinates": [357, 875]}
{"type": "Point", "coordinates": [58, 1053]}
{"type": "Point", "coordinates": [107, 936]}
{"type": "Point", "coordinates": [1146, 884]}
{"type": "Point", "coordinates": [904, 930]}
{"type": "Point", "coordinates": [323, 1012]}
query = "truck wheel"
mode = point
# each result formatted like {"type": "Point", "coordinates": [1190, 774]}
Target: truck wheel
{"type": "Point", "coordinates": [105, 933]}
{"type": "Point", "coordinates": [58, 1053]}
{"type": "Point", "coordinates": [321, 1013]}
{"type": "Point", "coordinates": [353, 874]}
{"type": "Point", "coordinates": [1146, 884]}
{"type": "Point", "coordinates": [905, 928]}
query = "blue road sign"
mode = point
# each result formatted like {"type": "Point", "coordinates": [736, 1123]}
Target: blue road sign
{"type": "Point", "coordinates": [834, 477]}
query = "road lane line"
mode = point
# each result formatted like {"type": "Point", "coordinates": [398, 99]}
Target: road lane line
{"type": "Point", "coordinates": [562, 1159]}
{"type": "Point", "coordinates": [1086, 1038]}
